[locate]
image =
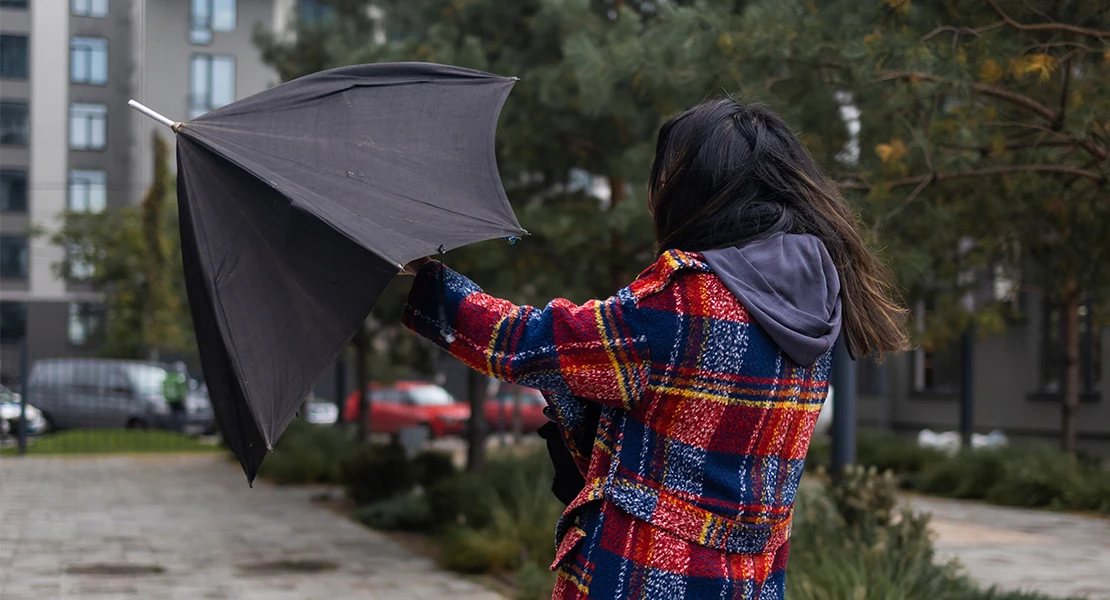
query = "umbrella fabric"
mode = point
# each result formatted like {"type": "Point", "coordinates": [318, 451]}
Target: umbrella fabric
{"type": "Point", "coordinates": [298, 206]}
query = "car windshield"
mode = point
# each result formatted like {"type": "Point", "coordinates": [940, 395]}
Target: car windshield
{"type": "Point", "coordinates": [430, 395]}
{"type": "Point", "coordinates": [147, 379]}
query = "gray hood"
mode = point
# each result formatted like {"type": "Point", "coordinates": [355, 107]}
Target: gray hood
{"type": "Point", "coordinates": [790, 287]}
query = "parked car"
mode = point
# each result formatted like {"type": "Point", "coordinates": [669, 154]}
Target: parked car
{"type": "Point", "coordinates": [411, 404]}
{"type": "Point", "coordinates": [532, 404]}
{"type": "Point", "coordinates": [322, 412]}
{"type": "Point", "coordinates": [9, 414]}
{"type": "Point", "coordinates": [111, 393]}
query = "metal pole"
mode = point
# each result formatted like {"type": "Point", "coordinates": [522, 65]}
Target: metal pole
{"type": "Point", "coordinates": [340, 386]}
{"type": "Point", "coordinates": [152, 114]}
{"type": "Point", "coordinates": [24, 388]}
{"type": "Point", "coordinates": [967, 389]}
{"type": "Point", "coordinates": [844, 408]}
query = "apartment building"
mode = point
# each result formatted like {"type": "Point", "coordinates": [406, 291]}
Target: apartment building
{"type": "Point", "coordinates": [68, 140]}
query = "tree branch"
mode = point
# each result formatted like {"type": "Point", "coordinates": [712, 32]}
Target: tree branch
{"type": "Point", "coordinates": [975, 31]}
{"type": "Point", "coordinates": [982, 88]}
{"type": "Point", "coordinates": [984, 172]}
{"type": "Point", "coordinates": [1052, 26]}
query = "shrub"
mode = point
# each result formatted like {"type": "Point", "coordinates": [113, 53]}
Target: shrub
{"type": "Point", "coordinates": [886, 451]}
{"type": "Point", "coordinates": [377, 473]}
{"type": "Point", "coordinates": [512, 515]}
{"type": "Point", "coordinates": [432, 466]}
{"type": "Point", "coordinates": [309, 454]}
{"type": "Point", "coordinates": [407, 512]}
{"type": "Point", "coordinates": [460, 500]}
{"type": "Point", "coordinates": [838, 550]}
{"type": "Point", "coordinates": [863, 497]}
{"type": "Point", "coordinates": [969, 474]}
{"type": "Point", "coordinates": [533, 582]}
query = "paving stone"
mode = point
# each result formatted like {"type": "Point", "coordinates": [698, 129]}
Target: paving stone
{"type": "Point", "coordinates": [188, 527]}
{"type": "Point", "coordinates": [1017, 549]}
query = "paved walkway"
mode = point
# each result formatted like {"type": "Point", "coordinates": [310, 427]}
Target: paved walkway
{"type": "Point", "coordinates": [188, 527]}
{"type": "Point", "coordinates": [1051, 553]}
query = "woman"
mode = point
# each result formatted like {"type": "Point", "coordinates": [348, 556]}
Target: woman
{"type": "Point", "coordinates": [705, 375]}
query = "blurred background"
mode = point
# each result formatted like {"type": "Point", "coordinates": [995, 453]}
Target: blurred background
{"type": "Point", "coordinates": [971, 136]}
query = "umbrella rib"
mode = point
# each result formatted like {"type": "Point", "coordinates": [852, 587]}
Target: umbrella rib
{"type": "Point", "coordinates": [363, 182]}
{"type": "Point", "coordinates": [216, 114]}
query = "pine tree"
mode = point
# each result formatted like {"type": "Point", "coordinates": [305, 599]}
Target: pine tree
{"type": "Point", "coordinates": [985, 141]}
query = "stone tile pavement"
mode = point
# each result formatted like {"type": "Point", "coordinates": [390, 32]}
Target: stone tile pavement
{"type": "Point", "coordinates": [188, 527]}
{"type": "Point", "coordinates": [1052, 553]}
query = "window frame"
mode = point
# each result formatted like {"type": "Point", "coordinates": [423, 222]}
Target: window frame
{"type": "Point", "coordinates": [88, 121]}
{"type": "Point", "coordinates": [195, 109]}
{"type": "Point", "coordinates": [26, 107]}
{"type": "Point", "coordinates": [90, 52]}
{"type": "Point", "coordinates": [75, 177]}
{"type": "Point", "coordinates": [25, 255]}
{"type": "Point", "coordinates": [1050, 351]}
{"type": "Point", "coordinates": [89, 316]}
{"type": "Point", "coordinates": [26, 57]}
{"type": "Point", "coordinates": [203, 24]}
{"type": "Point", "coordinates": [5, 175]}
{"type": "Point", "coordinates": [90, 10]}
{"type": "Point", "coordinates": [10, 304]}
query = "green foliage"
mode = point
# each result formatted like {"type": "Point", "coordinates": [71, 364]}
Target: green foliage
{"type": "Point", "coordinates": [847, 543]}
{"type": "Point", "coordinates": [132, 255]}
{"type": "Point", "coordinates": [864, 497]}
{"type": "Point", "coordinates": [533, 582]}
{"type": "Point", "coordinates": [112, 441]}
{"type": "Point", "coordinates": [309, 453]}
{"type": "Point", "coordinates": [513, 512]}
{"type": "Point", "coordinates": [460, 500]}
{"type": "Point", "coordinates": [432, 466]}
{"type": "Point", "coordinates": [408, 512]}
{"type": "Point", "coordinates": [1028, 476]}
{"type": "Point", "coordinates": [377, 473]}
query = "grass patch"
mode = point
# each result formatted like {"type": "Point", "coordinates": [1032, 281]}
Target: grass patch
{"type": "Point", "coordinates": [113, 441]}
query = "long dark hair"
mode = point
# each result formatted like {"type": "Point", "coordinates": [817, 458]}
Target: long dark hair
{"type": "Point", "coordinates": [726, 174]}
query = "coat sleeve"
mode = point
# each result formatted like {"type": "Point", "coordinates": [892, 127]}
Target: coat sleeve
{"type": "Point", "coordinates": [595, 351]}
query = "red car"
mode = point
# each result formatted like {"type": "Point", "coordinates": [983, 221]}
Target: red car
{"type": "Point", "coordinates": [411, 404]}
{"type": "Point", "coordinates": [531, 408]}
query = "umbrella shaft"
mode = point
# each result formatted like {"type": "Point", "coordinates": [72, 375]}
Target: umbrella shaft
{"type": "Point", "coordinates": [150, 113]}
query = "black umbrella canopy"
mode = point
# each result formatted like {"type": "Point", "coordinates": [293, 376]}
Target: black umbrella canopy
{"type": "Point", "coordinates": [298, 206]}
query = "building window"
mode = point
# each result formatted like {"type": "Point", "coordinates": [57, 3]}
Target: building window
{"type": "Point", "coordinates": [314, 12]}
{"type": "Point", "coordinates": [13, 256]}
{"type": "Point", "coordinates": [89, 8]}
{"type": "Point", "coordinates": [88, 60]}
{"type": "Point", "coordinates": [13, 56]}
{"type": "Point", "coordinates": [87, 126]}
{"type": "Point", "coordinates": [213, 83]}
{"type": "Point", "coordinates": [1052, 349]}
{"type": "Point", "coordinates": [208, 16]}
{"type": "Point", "coordinates": [937, 368]}
{"type": "Point", "coordinates": [85, 321]}
{"type": "Point", "coordinates": [13, 3]}
{"type": "Point", "coordinates": [88, 191]}
{"type": "Point", "coordinates": [13, 321]}
{"type": "Point", "coordinates": [13, 191]}
{"type": "Point", "coordinates": [13, 123]}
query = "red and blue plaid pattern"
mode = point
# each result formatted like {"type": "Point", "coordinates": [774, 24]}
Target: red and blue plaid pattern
{"type": "Point", "coordinates": [703, 432]}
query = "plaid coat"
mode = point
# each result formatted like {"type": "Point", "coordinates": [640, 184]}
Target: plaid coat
{"type": "Point", "coordinates": [704, 427]}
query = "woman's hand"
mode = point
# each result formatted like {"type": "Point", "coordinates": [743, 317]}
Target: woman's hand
{"type": "Point", "coordinates": [414, 267]}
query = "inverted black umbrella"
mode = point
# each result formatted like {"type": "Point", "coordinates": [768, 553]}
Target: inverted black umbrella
{"type": "Point", "coordinates": [299, 204]}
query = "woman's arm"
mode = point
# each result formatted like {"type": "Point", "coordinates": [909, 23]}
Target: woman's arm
{"type": "Point", "coordinates": [594, 351]}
